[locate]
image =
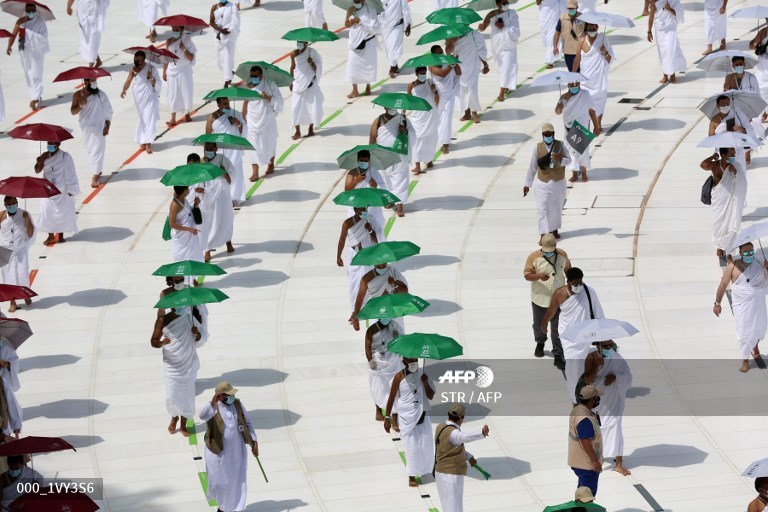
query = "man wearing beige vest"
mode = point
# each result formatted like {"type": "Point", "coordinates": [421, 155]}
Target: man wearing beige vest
{"type": "Point", "coordinates": [229, 431]}
{"type": "Point", "coordinates": [571, 31]}
{"type": "Point", "coordinates": [546, 174]}
{"type": "Point", "coordinates": [451, 458]}
{"type": "Point", "coordinates": [585, 441]}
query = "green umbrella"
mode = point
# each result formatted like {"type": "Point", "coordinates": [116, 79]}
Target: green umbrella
{"type": "Point", "coordinates": [393, 305]}
{"type": "Point", "coordinates": [427, 346]}
{"type": "Point", "coordinates": [310, 34]}
{"type": "Point", "coordinates": [381, 157]}
{"type": "Point", "coordinates": [574, 506]}
{"type": "Point", "coordinates": [223, 141]}
{"type": "Point", "coordinates": [233, 93]}
{"type": "Point", "coordinates": [346, 4]}
{"type": "Point", "coordinates": [453, 16]}
{"type": "Point", "coordinates": [190, 174]}
{"type": "Point", "coordinates": [191, 297]}
{"type": "Point", "coordinates": [402, 101]}
{"type": "Point", "coordinates": [430, 59]}
{"type": "Point", "coordinates": [444, 32]}
{"type": "Point", "coordinates": [274, 74]}
{"type": "Point", "coordinates": [385, 252]}
{"type": "Point", "coordinates": [189, 268]}
{"type": "Point", "coordinates": [365, 197]}
{"type": "Point", "coordinates": [482, 5]}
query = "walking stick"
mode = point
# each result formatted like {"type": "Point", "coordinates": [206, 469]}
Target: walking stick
{"type": "Point", "coordinates": [483, 472]}
{"type": "Point", "coordinates": [262, 469]}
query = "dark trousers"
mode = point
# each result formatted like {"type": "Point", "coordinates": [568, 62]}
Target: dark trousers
{"type": "Point", "coordinates": [540, 336]}
{"type": "Point", "coordinates": [587, 478]}
{"type": "Point", "coordinates": [569, 62]}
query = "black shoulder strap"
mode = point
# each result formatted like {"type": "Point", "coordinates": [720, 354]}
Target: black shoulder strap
{"type": "Point", "coordinates": [589, 299]}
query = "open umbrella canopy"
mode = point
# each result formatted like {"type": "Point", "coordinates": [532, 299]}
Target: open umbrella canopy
{"type": "Point", "coordinates": [18, 8]}
{"type": "Point", "coordinates": [15, 330]}
{"type": "Point", "coordinates": [4, 33]}
{"type": "Point", "coordinates": [453, 16]}
{"type": "Point", "coordinates": [728, 140]}
{"type": "Point", "coordinates": [274, 74]}
{"type": "Point", "coordinates": [483, 5]}
{"type": "Point", "coordinates": [41, 132]}
{"type": "Point", "coordinates": [14, 292]}
{"type": "Point", "coordinates": [233, 93]}
{"type": "Point", "coordinates": [721, 61]}
{"type": "Point", "coordinates": [346, 4]}
{"type": "Point", "coordinates": [154, 55]}
{"type": "Point", "coordinates": [191, 297]}
{"type": "Point", "coordinates": [54, 499]}
{"type": "Point", "coordinates": [366, 197]}
{"type": "Point", "coordinates": [430, 59]}
{"type": "Point", "coordinates": [181, 20]}
{"type": "Point", "coordinates": [757, 469]}
{"type": "Point", "coordinates": [750, 104]}
{"type": "Point", "coordinates": [756, 11]}
{"type": "Point", "coordinates": [381, 157]}
{"type": "Point", "coordinates": [223, 141]}
{"type": "Point", "coordinates": [444, 32]}
{"type": "Point", "coordinates": [385, 252]}
{"type": "Point", "coordinates": [392, 305]}
{"type": "Point", "coordinates": [401, 101]}
{"type": "Point", "coordinates": [81, 72]}
{"type": "Point", "coordinates": [310, 35]}
{"type": "Point", "coordinates": [28, 187]}
{"type": "Point", "coordinates": [189, 268]}
{"type": "Point", "coordinates": [427, 346]}
{"type": "Point", "coordinates": [601, 329]}
{"type": "Point", "coordinates": [33, 444]}
{"type": "Point", "coordinates": [606, 19]}
{"type": "Point", "coordinates": [558, 78]}
{"type": "Point", "coordinates": [749, 234]}
{"type": "Point", "coordinates": [575, 506]}
{"type": "Point", "coordinates": [191, 174]}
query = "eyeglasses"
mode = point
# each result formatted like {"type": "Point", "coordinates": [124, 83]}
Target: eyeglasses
{"type": "Point", "coordinates": [748, 253]}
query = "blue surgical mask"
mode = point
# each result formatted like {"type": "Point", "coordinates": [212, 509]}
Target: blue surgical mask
{"type": "Point", "coordinates": [363, 215]}
{"type": "Point", "coordinates": [210, 154]}
{"type": "Point", "coordinates": [175, 34]}
{"type": "Point", "coordinates": [222, 2]}
{"type": "Point", "coordinates": [574, 90]}
{"type": "Point", "coordinates": [363, 166]}
{"type": "Point", "coordinates": [255, 80]}
{"type": "Point", "coordinates": [179, 311]}
{"type": "Point", "coordinates": [422, 78]}
{"type": "Point", "coordinates": [730, 159]}
{"type": "Point", "coordinates": [14, 473]}
{"type": "Point", "coordinates": [549, 140]}
{"type": "Point", "coordinates": [51, 148]}
{"type": "Point", "coordinates": [31, 15]}
{"type": "Point", "coordinates": [229, 399]}
{"type": "Point", "coordinates": [606, 352]}
{"type": "Point", "coordinates": [12, 208]}
{"type": "Point", "coordinates": [747, 259]}
{"type": "Point", "coordinates": [738, 69]}
{"type": "Point", "coordinates": [226, 111]}
{"type": "Point", "coordinates": [571, 12]}
{"type": "Point", "coordinates": [549, 254]}
{"type": "Point", "coordinates": [357, 5]}
{"type": "Point", "coordinates": [380, 270]}
{"type": "Point", "coordinates": [385, 321]}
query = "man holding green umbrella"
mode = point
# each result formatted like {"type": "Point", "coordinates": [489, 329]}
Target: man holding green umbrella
{"type": "Point", "coordinates": [390, 130]}
{"type": "Point", "coordinates": [307, 96]}
{"type": "Point", "coordinates": [381, 280]}
{"type": "Point", "coordinates": [357, 232]}
{"type": "Point", "coordinates": [366, 175]}
{"type": "Point", "coordinates": [261, 117]}
{"type": "Point", "coordinates": [229, 121]}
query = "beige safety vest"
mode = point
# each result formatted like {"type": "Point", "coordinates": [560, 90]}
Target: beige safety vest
{"type": "Point", "coordinates": [571, 45]}
{"type": "Point", "coordinates": [449, 459]}
{"type": "Point", "coordinates": [550, 173]}
{"type": "Point", "coordinates": [577, 457]}
{"type": "Point", "coordinates": [214, 435]}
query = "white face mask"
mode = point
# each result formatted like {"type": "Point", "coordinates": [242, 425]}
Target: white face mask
{"type": "Point", "coordinates": [380, 270]}
{"type": "Point", "coordinates": [413, 367]}
{"type": "Point", "coordinates": [592, 33]}
{"type": "Point", "coordinates": [179, 286]}
{"type": "Point", "coordinates": [391, 111]}
{"type": "Point", "coordinates": [725, 110]}
{"type": "Point", "coordinates": [504, 8]}
{"type": "Point", "coordinates": [577, 288]}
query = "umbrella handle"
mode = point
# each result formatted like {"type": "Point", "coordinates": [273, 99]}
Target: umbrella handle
{"type": "Point", "coordinates": [761, 248]}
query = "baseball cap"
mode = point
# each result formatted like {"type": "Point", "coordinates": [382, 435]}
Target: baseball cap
{"type": "Point", "coordinates": [584, 495]}
{"type": "Point", "coordinates": [457, 410]}
{"type": "Point", "coordinates": [590, 391]}
{"type": "Point", "coordinates": [547, 127]}
{"type": "Point", "coordinates": [548, 242]}
{"type": "Point", "coordinates": [225, 388]}
{"type": "Point", "coordinates": [572, 4]}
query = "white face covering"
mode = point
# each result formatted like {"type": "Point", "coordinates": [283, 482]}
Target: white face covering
{"type": "Point", "coordinates": [413, 367]}
{"type": "Point", "coordinates": [725, 110]}
{"type": "Point", "coordinates": [577, 288]}
{"type": "Point", "coordinates": [179, 286]}
{"type": "Point", "coordinates": [380, 270]}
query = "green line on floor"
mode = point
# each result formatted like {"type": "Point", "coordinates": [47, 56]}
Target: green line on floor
{"type": "Point", "coordinates": [379, 83]}
{"type": "Point", "coordinates": [402, 456]}
{"type": "Point", "coordinates": [285, 155]}
{"type": "Point", "coordinates": [388, 226]}
{"type": "Point", "coordinates": [542, 68]}
{"type": "Point", "coordinates": [330, 118]}
{"type": "Point", "coordinates": [253, 188]}
{"type": "Point", "coordinates": [467, 125]}
{"type": "Point", "coordinates": [412, 186]}
{"type": "Point", "coordinates": [204, 482]}
{"type": "Point", "coordinates": [433, 510]}
{"type": "Point", "coordinates": [192, 432]}
{"type": "Point", "coordinates": [437, 155]}
{"type": "Point", "coordinates": [526, 6]}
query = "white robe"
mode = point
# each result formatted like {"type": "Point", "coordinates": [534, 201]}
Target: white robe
{"type": "Point", "coordinates": [152, 10]}
{"type": "Point", "coordinates": [667, 44]}
{"type": "Point", "coordinates": [448, 88]}
{"type": "Point", "coordinates": [185, 245]}
{"type": "Point", "coordinates": [450, 488]}
{"type": "Point", "coordinates": [748, 302]}
{"type": "Point", "coordinates": [577, 109]}
{"type": "Point", "coordinates": [313, 13]}
{"type": "Point", "coordinates": [594, 66]}
{"type": "Point", "coordinates": [227, 16]}
{"type": "Point", "coordinates": [715, 24]}
{"type": "Point", "coordinates": [218, 207]}
{"type": "Point", "coordinates": [147, 101]}
{"type": "Point", "coordinates": [387, 365]}
{"type": "Point", "coordinates": [470, 50]}
{"type": "Point", "coordinates": [418, 442]}
{"type": "Point", "coordinates": [180, 364]}
{"type": "Point", "coordinates": [729, 198]}
{"type": "Point", "coordinates": [444, 4]}
{"type": "Point", "coordinates": [361, 64]}
{"type": "Point", "coordinates": [181, 83]}
{"type": "Point", "coordinates": [262, 123]}
{"type": "Point", "coordinates": [57, 213]}
{"type": "Point", "coordinates": [235, 156]}
{"type": "Point", "coordinates": [761, 72]}
{"type": "Point", "coordinates": [397, 177]}
{"type": "Point", "coordinates": [377, 212]}
{"type": "Point", "coordinates": [33, 55]}
{"type": "Point", "coordinates": [92, 119]}
{"type": "Point", "coordinates": [357, 238]}
{"type": "Point", "coordinates": [307, 97]}
{"type": "Point", "coordinates": [574, 309]}
{"type": "Point", "coordinates": [611, 408]}
{"type": "Point", "coordinates": [11, 385]}
{"type": "Point", "coordinates": [424, 124]}
{"type": "Point", "coordinates": [504, 44]}
{"type": "Point", "coordinates": [394, 20]}
{"type": "Point", "coordinates": [90, 18]}
{"type": "Point", "coordinates": [549, 14]}
{"type": "Point", "coordinates": [13, 236]}
{"type": "Point", "coordinates": [550, 195]}
{"type": "Point", "coordinates": [227, 471]}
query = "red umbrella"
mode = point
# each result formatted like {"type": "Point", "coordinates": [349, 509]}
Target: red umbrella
{"type": "Point", "coordinates": [13, 292]}
{"type": "Point", "coordinates": [54, 499]}
{"type": "Point", "coordinates": [180, 20]}
{"type": "Point", "coordinates": [80, 73]}
{"type": "Point", "coordinates": [15, 330]}
{"type": "Point", "coordinates": [27, 187]}
{"type": "Point", "coordinates": [18, 8]}
{"type": "Point", "coordinates": [4, 33]}
{"type": "Point", "coordinates": [33, 444]}
{"type": "Point", "coordinates": [154, 55]}
{"type": "Point", "coordinates": [41, 132]}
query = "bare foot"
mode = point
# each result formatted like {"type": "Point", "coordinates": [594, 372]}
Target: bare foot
{"type": "Point", "coordinates": [379, 416]}
{"type": "Point", "coordinates": [172, 425]}
{"type": "Point", "coordinates": [188, 118]}
{"type": "Point", "coordinates": [584, 176]}
{"type": "Point", "coordinates": [230, 247]}
{"type": "Point", "coordinates": [764, 117]}
{"type": "Point", "coordinates": [367, 90]}
{"type": "Point", "coordinates": [171, 123]}
{"type": "Point", "coordinates": [475, 118]}
{"type": "Point", "coordinates": [12, 308]}
{"type": "Point", "coordinates": [184, 431]}
{"type": "Point", "coordinates": [412, 481]}
{"type": "Point", "coordinates": [152, 36]}
{"type": "Point", "coordinates": [664, 79]}
{"type": "Point", "coordinates": [254, 177]}
{"type": "Point", "coordinates": [353, 94]}
{"type": "Point", "coordinates": [501, 97]}
{"type": "Point", "coordinates": [744, 366]}
{"type": "Point", "coordinates": [95, 181]}
{"type": "Point", "coordinates": [325, 26]}
{"type": "Point", "coordinates": [707, 51]}
{"type": "Point", "coordinates": [672, 79]}
{"type": "Point", "coordinates": [417, 170]}
{"type": "Point", "coordinates": [50, 240]}
{"type": "Point", "coordinates": [297, 135]}
{"type": "Point", "coordinates": [550, 66]}
{"type": "Point", "coordinates": [393, 72]}
{"type": "Point", "coordinates": [33, 104]}
{"type": "Point", "coordinates": [98, 62]}
{"type": "Point", "coordinates": [399, 210]}
{"type": "Point", "coordinates": [756, 352]}
{"type": "Point", "coordinates": [28, 302]}
{"type": "Point", "coordinates": [645, 13]}
{"type": "Point", "coordinates": [207, 256]}
{"type": "Point", "coordinates": [622, 470]}
{"type": "Point", "coordinates": [445, 149]}
{"type": "Point", "coordinates": [430, 165]}
{"type": "Point", "coordinates": [270, 169]}
{"type": "Point", "coordinates": [466, 117]}
{"type": "Point", "coordinates": [556, 235]}
{"type": "Point", "coordinates": [574, 178]}
{"type": "Point", "coordinates": [60, 238]}
{"type": "Point", "coordinates": [148, 149]}
{"type": "Point", "coordinates": [311, 131]}
{"type": "Point", "coordinates": [722, 46]}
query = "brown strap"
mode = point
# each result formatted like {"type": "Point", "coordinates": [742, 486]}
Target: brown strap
{"type": "Point", "coordinates": [241, 423]}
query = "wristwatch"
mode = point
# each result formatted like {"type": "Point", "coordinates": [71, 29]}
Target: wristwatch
{"type": "Point", "coordinates": [717, 304]}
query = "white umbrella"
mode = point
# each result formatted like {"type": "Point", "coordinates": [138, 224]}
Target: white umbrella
{"type": "Point", "coordinates": [749, 103]}
{"type": "Point", "coordinates": [749, 234]}
{"type": "Point", "coordinates": [346, 4]}
{"type": "Point", "coordinates": [728, 140]}
{"type": "Point", "coordinates": [605, 19]}
{"type": "Point", "coordinates": [558, 78]}
{"type": "Point", "coordinates": [721, 61]}
{"type": "Point", "coordinates": [756, 11]}
{"type": "Point", "coordinates": [601, 329]}
{"type": "Point", "coordinates": [757, 469]}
